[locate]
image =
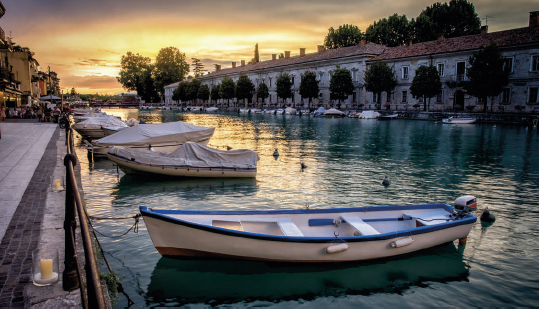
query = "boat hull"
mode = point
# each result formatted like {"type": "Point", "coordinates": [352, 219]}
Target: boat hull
{"type": "Point", "coordinates": [167, 147]}
{"type": "Point", "coordinates": [459, 120]}
{"type": "Point", "coordinates": [177, 238]}
{"type": "Point", "coordinates": [132, 167]}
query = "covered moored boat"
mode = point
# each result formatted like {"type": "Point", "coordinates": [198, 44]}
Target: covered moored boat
{"type": "Point", "coordinates": [188, 160]}
{"type": "Point", "coordinates": [158, 136]}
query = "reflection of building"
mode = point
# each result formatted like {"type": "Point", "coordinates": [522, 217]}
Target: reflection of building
{"type": "Point", "coordinates": [10, 93]}
{"type": "Point", "coordinates": [520, 48]}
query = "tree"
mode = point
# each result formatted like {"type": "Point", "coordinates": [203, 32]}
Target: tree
{"type": "Point", "coordinates": [458, 18]}
{"type": "Point", "coordinates": [227, 89]}
{"type": "Point", "coordinates": [284, 86]}
{"type": "Point", "coordinates": [214, 93]}
{"type": "Point", "coordinates": [392, 31]}
{"type": "Point", "coordinates": [73, 92]}
{"type": "Point", "coordinates": [244, 88]}
{"type": "Point", "coordinates": [308, 88]}
{"type": "Point", "coordinates": [487, 74]}
{"type": "Point", "coordinates": [132, 67]}
{"type": "Point", "coordinates": [203, 92]}
{"type": "Point", "coordinates": [346, 35]}
{"type": "Point", "coordinates": [341, 85]}
{"type": "Point", "coordinates": [180, 93]}
{"type": "Point", "coordinates": [148, 93]}
{"type": "Point", "coordinates": [379, 78]}
{"type": "Point", "coordinates": [198, 67]}
{"type": "Point", "coordinates": [192, 89]}
{"type": "Point", "coordinates": [170, 67]}
{"type": "Point", "coordinates": [262, 92]}
{"type": "Point", "coordinates": [426, 84]}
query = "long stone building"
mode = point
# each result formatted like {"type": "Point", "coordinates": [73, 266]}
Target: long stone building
{"type": "Point", "coordinates": [520, 48]}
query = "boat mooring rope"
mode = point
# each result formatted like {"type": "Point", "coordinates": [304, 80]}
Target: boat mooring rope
{"type": "Point", "coordinates": [133, 227]}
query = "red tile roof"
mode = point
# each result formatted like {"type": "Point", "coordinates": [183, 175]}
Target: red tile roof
{"type": "Point", "coordinates": [369, 49]}
{"type": "Point", "coordinates": [514, 37]}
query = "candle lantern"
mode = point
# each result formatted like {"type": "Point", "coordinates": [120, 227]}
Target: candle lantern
{"type": "Point", "coordinates": [45, 266]}
{"type": "Point", "coordinates": [57, 183]}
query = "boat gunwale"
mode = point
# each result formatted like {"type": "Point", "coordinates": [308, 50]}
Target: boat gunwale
{"type": "Point", "coordinates": [162, 214]}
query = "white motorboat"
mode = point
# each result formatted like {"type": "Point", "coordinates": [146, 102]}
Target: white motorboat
{"type": "Point", "coordinates": [212, 109]}
{"type": "Point", "coordinates": [188, 160]}
{"type": "Point", "coordinates": [307, 235]}
{"type": "Point", "coordinates": [388, 117]}
{"type": "Point", "coordinates": [93, 126]}
{"type": "Point", "coordinates": [290, 111]}
{"type": "Point", "coordinates": [165, 137]}
{"type": "Point", "coordinates": [369, 115]}
{"type": "Point", "coordinates": [334, 113]}
{"type": "Point", "coordinates": [320, 112]}
{"type": "Point", "coordinates": [452, 120]}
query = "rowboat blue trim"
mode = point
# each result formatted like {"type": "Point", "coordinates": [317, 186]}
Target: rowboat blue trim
{"type": "Point", "coordinates": [161, 214]}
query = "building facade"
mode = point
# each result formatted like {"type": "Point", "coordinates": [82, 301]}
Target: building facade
{"type": "Point", "coordinates": [520, 49]}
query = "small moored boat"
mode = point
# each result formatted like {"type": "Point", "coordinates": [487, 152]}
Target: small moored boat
{"type": "Point", "coordinates": [308, 235]}
{"type": "Point", "coordinates": [188, 160]}
{"type": "Point", "coordinates": [452, 120]}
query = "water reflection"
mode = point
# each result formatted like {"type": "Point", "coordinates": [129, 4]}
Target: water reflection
{"type": "Point", "coordinates": [225, 282]}
{"type": "Point", "coordinates": [143, 187]}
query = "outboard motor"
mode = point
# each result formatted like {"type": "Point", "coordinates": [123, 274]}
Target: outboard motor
{"type": "Point", "coordinates": [465, 204]}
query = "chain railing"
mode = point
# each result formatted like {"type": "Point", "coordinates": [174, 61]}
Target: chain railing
{"type": "Point", "coordinates": [91, 293]}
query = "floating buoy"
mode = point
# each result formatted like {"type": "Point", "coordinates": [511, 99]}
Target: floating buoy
{"type": "Point", "coordinates": [402, 242]}
{"type": "Point", "coordinates": [303, 165]}
{"type": "Point", "coordinates": [386, 181]}
{"type": "Point", "coordinates": [486, 216]}
{"type": "Point", "coordinates": [276, 153]}
{"type": "Point", "coordinates": [337, 248]}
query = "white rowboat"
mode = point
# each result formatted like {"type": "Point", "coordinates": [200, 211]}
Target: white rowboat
{"type": "Point", "coordinates": [305, 235]}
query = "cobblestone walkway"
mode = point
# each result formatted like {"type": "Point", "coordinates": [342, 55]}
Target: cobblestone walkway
{"type": "Point", "coordinates": [22, 235]}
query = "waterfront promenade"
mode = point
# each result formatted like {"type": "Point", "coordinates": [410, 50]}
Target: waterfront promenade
{"type": "Point", "coordinates": [31, 214]}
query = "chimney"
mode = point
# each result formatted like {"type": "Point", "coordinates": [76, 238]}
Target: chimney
{"type": "Point", "coordinates": [233, 64]}
{"type": "Point", "coordinates": [363, 41]}
{"type": "Point", "coordinates": [534, 19]}
{"type": "Point", "coordinates": [243, 63]}
{"type": "Point", "coordinates": [484, 30]}
{"type": "Point", "coordinates": [302, 52]}
{"type": "Point", "coordinates": [286, 54]}
{"type": "Point", "coordinates": [320, 49]}
{"type": "Point", "coordinates": [217, 67]}
{"type": "Point", "coordinates": [273, 56]}
{"type": "Point", "coordinates": [440, 36]}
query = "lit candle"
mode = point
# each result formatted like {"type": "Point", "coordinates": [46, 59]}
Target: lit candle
{"type": "Point", "coordinates": [46, 268]}
{"type": "Point", "coordinates": [57, 184]}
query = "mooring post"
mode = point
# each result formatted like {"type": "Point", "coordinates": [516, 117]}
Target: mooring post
{"type": "Point", "coordinates": [70, 277]}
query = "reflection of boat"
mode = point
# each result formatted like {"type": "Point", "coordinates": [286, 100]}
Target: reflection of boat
{"type": "Point", "coordinates": [158, 136]}
{"type": "Point", "coordinates": [229, 282]}
{"type": "Point", "coordinates": [212, 109]}
{"type": "Point", "coordinates": [333, 112]}
{"type": "Point", "coordinates": [188, 160]}
{"type": "Point", "coordinates": [290, 111]}
{"type": "Point", "coordinates": [154, 186]}
{"type": "Point", "coordinates": [388, 117]}
{"type": "Point", "coordinates": [452, 120]}
{"type": "Point", "coordinates": [312, 235]}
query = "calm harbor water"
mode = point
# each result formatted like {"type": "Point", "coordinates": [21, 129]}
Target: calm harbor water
{"type": "Point", "coordinates": [346, 161]}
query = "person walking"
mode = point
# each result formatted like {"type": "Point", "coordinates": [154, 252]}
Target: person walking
{"type": "Point", "coordinates": [2, 114]}
{"type": "Point", "coordinates": [14, 115]}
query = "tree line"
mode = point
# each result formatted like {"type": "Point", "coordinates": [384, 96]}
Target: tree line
{"type": "Point", "coordinates": [453, 19]}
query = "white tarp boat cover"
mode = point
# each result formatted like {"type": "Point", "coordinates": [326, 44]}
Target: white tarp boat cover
{"type": "Point", "coordinates": [369, 114]}
{"type": "Point", "coordinates": [157, 133]}
{"type": "Point", "coordinates": [98, 122]}
{"type": "Point", "coordinates": [334, 111]}
{"type": "Point", "coordinates": [320, 111]}
{"type": "Point", "coordinates": [191, 154]}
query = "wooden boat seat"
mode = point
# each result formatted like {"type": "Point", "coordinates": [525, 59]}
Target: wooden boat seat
{"type": "Point", "coordinates": [286, 225]}
{"type": "Point", "coordinates": [429, 217]}
{"type": "Point", "coordinates": [360, 225]}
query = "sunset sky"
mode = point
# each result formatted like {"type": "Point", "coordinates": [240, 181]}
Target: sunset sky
{"type": "Point", "coordinates": [83, 40]}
